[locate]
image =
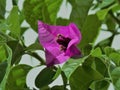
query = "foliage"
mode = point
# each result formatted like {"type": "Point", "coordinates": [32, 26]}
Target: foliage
{"type": "Point", "coordinates": [99, 65]}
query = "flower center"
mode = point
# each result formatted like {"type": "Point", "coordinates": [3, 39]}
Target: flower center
{"type": "Point", "coordinates": [62, 41]}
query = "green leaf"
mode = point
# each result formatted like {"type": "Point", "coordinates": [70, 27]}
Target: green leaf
{"type": "Point", "coordinates": [3, 25]}
{"type": "Point", "coordinates": [82, 78]}
{"type": "Point", "coordinates": [108, 50]}
{"type": "Point", "coordinates": [70, 66]}
{"type": "Point", "coordinates": [106, 3]}
{"type": "Point", "coordinates": [96, 52]}
{"type": "Point", "coordinates": [45, 77]}
{"type": "Point", "coordinates": [115, 57]}
{"type": "Point", "coordinates": [116, 8]}
{"type": "Point", "coordinates": [101, 85]}
{"type": "Point", "coordinates": [17, 51]}
{"type": "Point", "coordinates": [110, 23]}
{"type": "Point", "coordinates": [61, 21]}
{"type": "Point", "coordinates": [102, 14]}
{"type": "Point", "coordinates": [44, 10]}
{"type": "Point", "coordinates": [2, 8]}
{"type": "Point", "coordinates": [104, 43]}
{"type": "Point", "coordinates": [86, 50]}
{"type": "Point", "coordinates": [9, 52]}
{"type": "Point", "coordinates": [80, 10]}
{"type": "Point", "coordinates": [58, 88]}
{"type": "Point", "coordinates": [3, 67]}
{"type": "Point", "coordinates": [33, 47]}
{"type": "Point", "coordinates": [13, 22]}
{"type": "Point", "coordinates": [17, 77]}
{"type": "Point", "coordinates": [101, 67]}
{"type": "Point", "coordinates": [4, 38]}
{"type": "Point", "coordinates": [3, 55]}
{"type": "Point", "coordinates": [23, 29]}
{"type": "Point", "coordinates": [15, 2]}
{"type": "Point", "coordinates": [116, 77]}
{"type": "Point", "coordinates": [58, 72]}
{"type": "Point", "coordinates": [90, 30]}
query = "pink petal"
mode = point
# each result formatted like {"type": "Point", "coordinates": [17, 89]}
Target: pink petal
{"type": "Point", "coordinates": [73, 51]}
{"type": "Point", "coordinates": [55, 56]}
{"type": "Point", "coordinates": [46, 38]}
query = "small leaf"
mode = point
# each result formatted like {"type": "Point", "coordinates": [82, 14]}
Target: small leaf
{"type": "Point", "coordinates": [106, 3]}
{"type": "Point", "coordinates": [17, 77]}
{"type": "Point", "coordinates": [13, 22]}
{"type": "Point", "coordinates": [58, 72]}
{"type": "Point", "coordinates": [96, 52]}
{"type": "Point", "coordinates": [45, 77]}
{"type": "Point", "coordinates": [115, 57]}
{"type": "Point", "coordinates": [33, 47]}
{"type": "Point", "coordinates": [108, 50]}
{"type": "Point", "coordinates": [82, 78]}
{"type": "Point", "coordinates": [102, 14]}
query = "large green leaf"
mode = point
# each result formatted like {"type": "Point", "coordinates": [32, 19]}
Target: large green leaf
{"type": "Point", "coordinates": [2, 8]}
{"type": "Point", "coordinates": [90, 30]}
{"type": "Point", "coordinates": [45, 10]}
{"type": "Point", "coordinates": [17, 50]}
{"type": "Point", "coordinates": [82, 78]}
{"type": "Point", "coordinates": [61, 21]}
{"type": "Point", "coordinates": [101, 67]}
{"type": "Point", "coordinates": [13, 22]}
{"type": "Point", "coordinates": [102, 85]}
{"type": "Point", "coordinates": [80, 10]}
{"type": "Point", "coordinates": [70, 66]}
{"type": "Point", "coordinates": [45, 77]}
{"type": "Point", "coordinates": [17, 77]}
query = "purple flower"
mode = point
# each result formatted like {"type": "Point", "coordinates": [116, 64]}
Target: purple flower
{"type": "Point", "coordinates": [59, 42]}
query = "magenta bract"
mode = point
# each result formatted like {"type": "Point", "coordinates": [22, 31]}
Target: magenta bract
{"type": "Point", "coordinates": [59, 42]}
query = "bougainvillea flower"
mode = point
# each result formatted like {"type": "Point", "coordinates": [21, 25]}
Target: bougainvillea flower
{"type": "Point", "coordinates": [59, 42]}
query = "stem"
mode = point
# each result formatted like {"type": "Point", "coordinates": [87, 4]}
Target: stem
{"type": "Point", "coordinates": [115, 18]}
{"type": "Point", "coordinates": [109, 73]}
{"type": "Point", "coordinates": [111, 39]}
{"type": "Point", "coordinates": [35, 55]}
{"type": "Point", "coordinates": [64, 78]}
